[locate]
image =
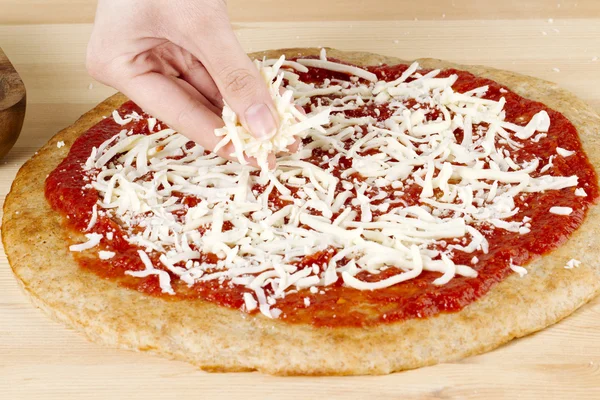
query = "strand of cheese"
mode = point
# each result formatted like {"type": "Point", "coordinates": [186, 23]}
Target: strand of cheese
{"type": "Point", "coordinates": [337, 67]}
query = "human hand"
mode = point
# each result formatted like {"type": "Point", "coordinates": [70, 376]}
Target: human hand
{"type": "Point", "coordinates": [178, 60]}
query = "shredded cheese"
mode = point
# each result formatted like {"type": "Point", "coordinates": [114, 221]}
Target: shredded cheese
{"type": "Point", "coordinates": [93, 241]}
{"type": "Point", "coordinates": [466, 188]}
{"type": "Point", "coordinates": [106, 255]}
{"type": "Point", "coordinates": [518, 269]}
{"type": "Point", "coordinates": [292, 123]}
{"type": "Point", "coordinates": [561, 210]}
{"type": "Point", "coordinates": [337, 67]}
{"type": "Point", "coordinates": [564, 152]}
{"type": "Point", "coordinates": [572, 263]}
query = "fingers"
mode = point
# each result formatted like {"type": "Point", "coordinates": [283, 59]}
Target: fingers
{"type": "Point", "coordinates": [292, 148]}
{"type": "Point", "coordinates": [271, 161]}
{"type": "Point", "coordinates": [180, 106]}
{"type": "Point", "coordinates": [198, 77]}
{"type": "Point", "coordinates": [194, 93]}
{"type": "Point", "coordinates": [238, 80]}
{"type": "Point", "coordinates": [177, 104]}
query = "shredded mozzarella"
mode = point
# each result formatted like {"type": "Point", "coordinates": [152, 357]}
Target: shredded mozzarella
{"type": "Point", "coordinates": [572, 263]}
{"type": "Point", "coordinates": [106, 255]}
{"type": "Point", "coordinates": [518, 269]}
{"type": "Point", "coordinates": [561, 210]}
{"type": "Point", "coordinates": [261, 223]}
{"type": "Point", "coordinates": [93, 241]}
{"type": "Point", "coordinates": [292, 123]}
{"type": "Point", "coordinates": [564, 152]}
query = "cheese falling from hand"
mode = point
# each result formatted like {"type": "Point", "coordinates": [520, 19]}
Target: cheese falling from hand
{"type": "Point", "coordinates": [292, 123]}
{"type": "Point", "coordinates": [468, 187]}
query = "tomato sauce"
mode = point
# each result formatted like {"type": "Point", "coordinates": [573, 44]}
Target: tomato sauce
{"type": "Point", "coordinates": [338, 305]}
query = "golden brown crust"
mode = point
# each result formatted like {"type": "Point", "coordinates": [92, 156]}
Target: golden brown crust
{"type": "Point", "coordinates": [220, 339]}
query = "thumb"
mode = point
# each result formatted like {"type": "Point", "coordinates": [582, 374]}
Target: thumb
{"type": "Point", "coordinates": [240, 83]}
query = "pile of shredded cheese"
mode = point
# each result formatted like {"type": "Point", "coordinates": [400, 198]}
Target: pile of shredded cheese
{"type": "Point", "coordinates": [464, 187]}
{"type": "Point", "coordinates": [293, 124]}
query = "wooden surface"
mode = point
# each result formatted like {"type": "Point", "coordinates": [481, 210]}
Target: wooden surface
{"type": "Point", "coordinates": [555, 40]}
{"type": "Point", "coordinates": [12, 104]}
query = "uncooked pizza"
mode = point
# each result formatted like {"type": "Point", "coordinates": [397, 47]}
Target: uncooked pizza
{"type": "Point", "coordinates": [432, 211]}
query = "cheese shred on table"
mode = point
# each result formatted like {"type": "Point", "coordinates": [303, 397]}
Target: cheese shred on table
{"type": "Point", "coordinates": [464, 186]}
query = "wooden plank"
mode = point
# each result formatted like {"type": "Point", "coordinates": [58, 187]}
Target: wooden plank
{"type": "Point", "coordinates": [58, 74]}
{"type": "Point", "coordinates": [61, 364]}
{"type": "Point", "coordinates": [82, 11]}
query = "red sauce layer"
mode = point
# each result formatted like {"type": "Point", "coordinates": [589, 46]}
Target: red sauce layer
{"type": "Point", "coordinates": [339, 305]}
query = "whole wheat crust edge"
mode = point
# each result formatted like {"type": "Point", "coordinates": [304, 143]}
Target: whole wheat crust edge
{"type": "Point", "coordinates": [220, 339]}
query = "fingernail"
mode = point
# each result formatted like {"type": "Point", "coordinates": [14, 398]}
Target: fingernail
{"type": "Point", "coordinates": [260, 121]}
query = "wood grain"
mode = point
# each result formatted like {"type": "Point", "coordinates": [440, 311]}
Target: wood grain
{"type": "Point", "coordinates": [40, 359]}
{"type": "Point", "coordinates": [82, 11]}
{"type": "Point", "coordinates": [12, 104]}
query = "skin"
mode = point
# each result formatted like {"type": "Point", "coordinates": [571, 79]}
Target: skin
{"type": "Point", "coordinates": [180, 60]}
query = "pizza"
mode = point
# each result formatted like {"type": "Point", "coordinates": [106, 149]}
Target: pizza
{"type": "Point", "coordinates": [433, 211]}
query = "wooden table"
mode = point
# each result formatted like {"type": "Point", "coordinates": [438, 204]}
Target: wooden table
{"type": "Point", "coordinates": [555, 40]}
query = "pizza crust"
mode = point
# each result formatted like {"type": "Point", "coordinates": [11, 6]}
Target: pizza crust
{"type": "Point", "coordinates": [220, 339]}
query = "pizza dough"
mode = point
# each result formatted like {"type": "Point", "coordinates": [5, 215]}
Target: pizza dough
{"type": "Point", "coordinates": [220, 339]}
